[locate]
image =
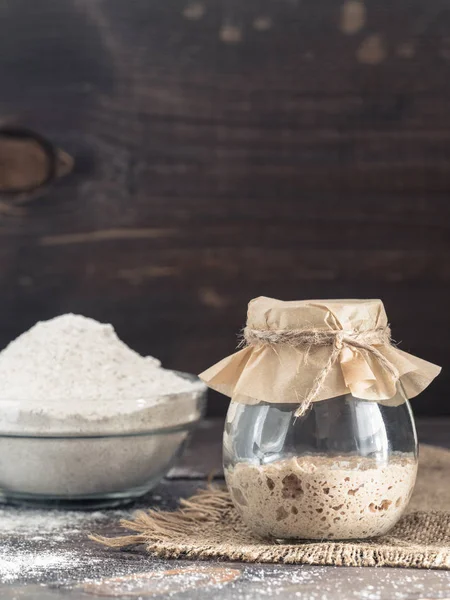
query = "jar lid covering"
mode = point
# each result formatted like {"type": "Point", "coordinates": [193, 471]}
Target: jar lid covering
{"type": "Point", "coordinates": [311, 350]}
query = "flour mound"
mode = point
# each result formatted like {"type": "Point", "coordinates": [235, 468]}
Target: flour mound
{"type": "Point", "coordinates": [73, 357]}
{"type": "Point", "coordinates": [74, 368]}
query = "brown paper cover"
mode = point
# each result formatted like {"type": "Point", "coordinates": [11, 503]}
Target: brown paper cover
{"type": "Point", "coordinates": [283, 373]}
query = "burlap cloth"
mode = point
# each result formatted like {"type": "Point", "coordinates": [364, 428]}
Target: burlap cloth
{"type": "Point", "coordinates": [207, 526]}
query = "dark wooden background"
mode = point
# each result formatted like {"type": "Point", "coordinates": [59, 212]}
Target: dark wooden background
{"type": "Point", "coordinates": [224, 150]}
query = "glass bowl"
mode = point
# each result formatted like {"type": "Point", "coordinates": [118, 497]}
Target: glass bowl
{"type": "Point", "coordinates": [74, 462]}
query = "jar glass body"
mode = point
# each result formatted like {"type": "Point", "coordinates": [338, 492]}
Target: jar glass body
{"type": "Point", "coordinates": [344, 470]}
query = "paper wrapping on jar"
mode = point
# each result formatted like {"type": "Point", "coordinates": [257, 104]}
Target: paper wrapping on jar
{"type": "Point", "coordinates": [285, 373]}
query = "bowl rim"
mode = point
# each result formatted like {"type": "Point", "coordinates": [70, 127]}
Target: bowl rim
{"type": "Point", "coordinates": [179, 428]}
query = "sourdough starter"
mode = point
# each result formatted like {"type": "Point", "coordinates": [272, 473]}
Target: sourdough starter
{"type": "Point", "coordinates": [322, 497]}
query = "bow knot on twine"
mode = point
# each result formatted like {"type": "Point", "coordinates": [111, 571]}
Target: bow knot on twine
{"type": "Point", "coordinates": [363, 341]}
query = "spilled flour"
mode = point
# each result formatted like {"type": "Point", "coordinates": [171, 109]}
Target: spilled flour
{"type": "Point", "coordinates": [37, 543]}
{"type": "Point", "coordinates": [37, 523]}
{"type": "Point", "coordinates": [33, 564]}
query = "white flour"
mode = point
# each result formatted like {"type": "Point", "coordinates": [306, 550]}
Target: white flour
{"type": "Point", "coordinates": [36, 524]}
{"type": "Point", "coordinates": [31, 564]}
{"type": "Point", "coordinates": [40, 543]}
{"type": "Point", "coordinates": [72, 376]}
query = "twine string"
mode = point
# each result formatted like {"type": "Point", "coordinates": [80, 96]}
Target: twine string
{"type": "Point", "coordinates": [364, 341]}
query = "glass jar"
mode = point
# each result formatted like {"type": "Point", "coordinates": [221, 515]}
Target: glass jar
{"type": "Point", "coordinates": [319, 439]}
{"type": "Point", "coordinates": [344, 470]}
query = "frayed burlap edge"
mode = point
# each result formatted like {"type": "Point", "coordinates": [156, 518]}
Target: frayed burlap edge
{"type": "Point", "coordinates": [206, 526]}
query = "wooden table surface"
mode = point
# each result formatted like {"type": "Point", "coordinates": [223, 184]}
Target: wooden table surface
{"type": "Point", "coordinates": [47, 555]}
